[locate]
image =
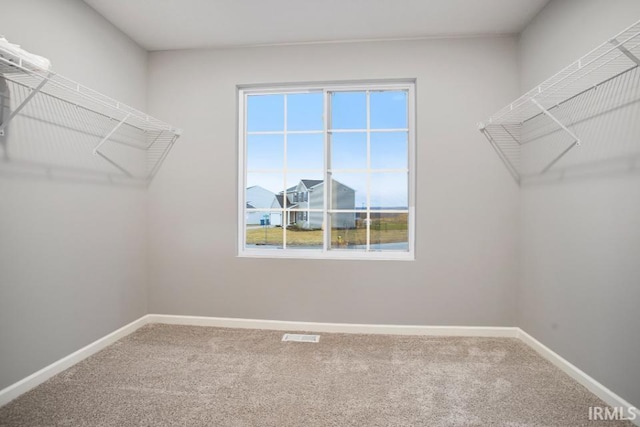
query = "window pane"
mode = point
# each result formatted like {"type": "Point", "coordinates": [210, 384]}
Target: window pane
{"type": "Point", "coordinates": [348, 110]}
{"type": "Point", "coordinates": [389, 150]}
{"type": "Point", "coordinates": [265, 113]}
{"type": "Point", "coordinates": [389, 191]}
{"type": "Point", "coordinates": [265, 152]}
{"type": "Point", "coordinates": [388, 110]}
{"type": "Point", "coordinates": [263, 229]}
{"type": "Point", "coordinates": [262, 189]}
{"type": "Point", "coordinates": [389, 231]}
{"type": "Point", "coordinates": [305, 111]}
{"type": "Point", "coordinates": [349, 150]}
{"type": "Point", "coordinates": [348, 232]}
{"type": "Point", "coordinates": [305, 190]}
{"type": "Point", "coordinates": [349, 191]}
{"type": "Point", "coordinates": [305, 151]}
{"type": "Point", "coordinates": [304, 230]}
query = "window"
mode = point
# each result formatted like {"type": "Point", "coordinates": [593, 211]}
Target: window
{"type": "Point", "coordinates": [359, 139]}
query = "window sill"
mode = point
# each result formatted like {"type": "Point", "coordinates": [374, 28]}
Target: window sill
{"type": "Point", "coordinates": [330, 255]}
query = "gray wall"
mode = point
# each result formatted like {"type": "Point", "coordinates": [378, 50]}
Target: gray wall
{"type": "Point", "coordinates": [72, 254]}
{"type": "Point", "coordinates": [467, 204]}
{"type": "Point", "coordinates": [580, 267]}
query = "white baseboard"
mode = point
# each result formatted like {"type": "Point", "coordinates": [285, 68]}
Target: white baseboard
{"type": "Point", "coordinates": [37, 378]}
{"type": "Point", "coordinates": [347, 328]}
{"type": "Point", "coordinates": [612, 399]}
{"type": "Point", "coordinates": [580, 376]}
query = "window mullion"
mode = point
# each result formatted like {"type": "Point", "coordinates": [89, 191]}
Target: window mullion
{"type": "Point", "coordinates": [368, 213]}
{"type": "Point", "coordinates": [285, 200]}
{"type": "Point", "coordinates": [242, 175]}
{"type": "Point", "coordinates": [326, 235]}
{"type": "Point", "coordinates": [412, 165]}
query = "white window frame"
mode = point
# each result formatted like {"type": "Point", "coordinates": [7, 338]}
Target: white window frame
{"type": "Point", "coordinates": [325, 252]}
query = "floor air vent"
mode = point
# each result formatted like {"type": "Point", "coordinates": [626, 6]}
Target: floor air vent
{"type": "Point", "coordinates": [301, 338]}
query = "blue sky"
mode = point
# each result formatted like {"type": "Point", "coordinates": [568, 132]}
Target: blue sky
{"type": "Point", "coordinates": [388, 110]}
{"type": "Point", "coordinates": [349, 111]}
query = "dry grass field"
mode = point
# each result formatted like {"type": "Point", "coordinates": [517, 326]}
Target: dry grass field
{"type": "Point", "coordinates": [385, 228]}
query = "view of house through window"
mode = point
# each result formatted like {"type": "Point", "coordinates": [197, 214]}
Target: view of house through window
{"type": "Point", "coordinates": [294, 142]}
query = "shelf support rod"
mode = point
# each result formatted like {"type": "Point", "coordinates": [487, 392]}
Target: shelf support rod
{"type": "Point", "coordinates": [106, 138]}
{"type": "Point", "coordinates": [576, 140]}
{"type": "Point", "coordinates": [626, 51]}
{"type": "Point", "coordinates": [559, 156]}
{"type": "Point", "coordinates": [558, 122]}
{"type": "Point", "coordinates": [19, 108]}
{"type": "Point", "coordinates": [123, 170]}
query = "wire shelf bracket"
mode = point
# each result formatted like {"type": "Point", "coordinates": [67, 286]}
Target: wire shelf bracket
{"type": "Point", "coordinates": [19, 108]}
{"type": "Point", "coordinates": [46, 114]}
{"type": "Point", "coordinates": [626, 51]}
{"type": "Point", "coordinates": [539, 112]}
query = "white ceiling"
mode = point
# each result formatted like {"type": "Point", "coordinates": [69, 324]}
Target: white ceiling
{"type": "Point", "coordinates": [183, 24]}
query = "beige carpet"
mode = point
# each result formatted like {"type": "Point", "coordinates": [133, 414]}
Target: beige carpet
{"type": "Point", "coordinates": [197, 376]}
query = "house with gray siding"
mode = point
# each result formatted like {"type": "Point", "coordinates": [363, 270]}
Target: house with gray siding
{"type": "Point", "coordinates": [308, 195]}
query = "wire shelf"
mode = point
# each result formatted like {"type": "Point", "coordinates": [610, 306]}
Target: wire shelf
{"type": "Point", "coordinates": [550, 112]}
{"type": "Point", "coordinates": [51, 121]}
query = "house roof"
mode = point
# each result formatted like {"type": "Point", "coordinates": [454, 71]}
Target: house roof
{"type": "Point", "coordinates": [280, 199]}
{"type": "Point", "coordinates": [311, 182]}
{"type": "Point", "coordinates": [308, 183]}
{"type": "Point", "coordinates": [258, 187]}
